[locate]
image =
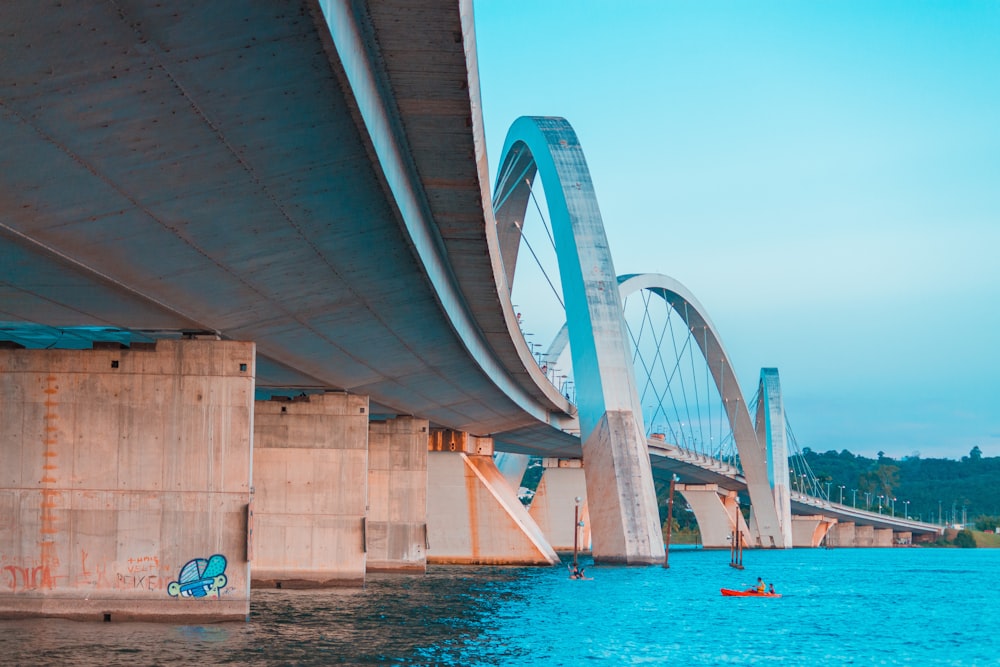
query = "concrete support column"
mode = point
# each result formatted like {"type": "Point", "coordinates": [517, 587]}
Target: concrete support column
{"type": "Point", "coordinates": [310, 479]}
{"type": "Point", "coordinates": [809, 531]}
{"type": "Point", "coordinates": [883, 537]}
{"type": "Point", "coordinates": [717, 512]}
{"type": "Point", "coordinates": [864, 536]}
{"type": "Point", "coordinates": [397, 495]}
{"type": "Point", "coordinates": [125, 481]}
{"type": "Point", "coordinates": [902, 538]}
{"type": "Point", "coordinates": [554, 505]}
{"type": "Point", "coordinates": [473, 515]}
{"type": "Point", "coordinates": [844, 534]}
{"type": "Point", "coordinates": [621, 496]}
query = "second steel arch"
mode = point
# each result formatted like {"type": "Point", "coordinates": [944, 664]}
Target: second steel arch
{"type": "Point", "coordinates": [763, 456]}
{"type": "Point", "coordinates": [768, 525]}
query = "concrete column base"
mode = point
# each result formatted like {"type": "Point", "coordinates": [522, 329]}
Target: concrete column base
{"type": "Point", "coordinates": [554, 505]}
{"type": "Point", "coordinates": [883, 537]}
{"type": "Point", "coordinates": [844, 534]}
{"type": "Point", "coordinates": [717, 512]}
{"type": "Point", "coordinates": [864, 536]}
{"type": "Point", "coordinates": [810, 531]}
{"type": "Point", "coordinates": [474, 516]}
{"type": "Point", "coordinates": [397, 495]}
{"type": "Point", "coordinates": [310, 476]}
{"type": "Point", "coordinates": [624, 517]}
{"type": "Point", "coordinates": [125, 481]}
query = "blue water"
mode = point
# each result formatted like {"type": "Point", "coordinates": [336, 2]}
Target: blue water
{"type": "Point", "coordinates": [915, 606]}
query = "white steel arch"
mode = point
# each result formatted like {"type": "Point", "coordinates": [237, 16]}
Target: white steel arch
{"type": "Point", "coordinates": [622, 498]}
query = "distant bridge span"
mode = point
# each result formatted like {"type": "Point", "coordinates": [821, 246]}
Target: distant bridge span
{"type": "Point", "coordinates": [695, 468]}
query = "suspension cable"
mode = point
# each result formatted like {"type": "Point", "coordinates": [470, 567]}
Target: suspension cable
{"type": "Point", "coordinates": [545, 223]}
{"type": "Point", "coordinates": [668, 382]}
{"type": "Point", "coordinates": [541, 268]}
{"type": "Point", "coordinates": [802, 467]}
{"type": "Point", "coordinates": [639, 358]}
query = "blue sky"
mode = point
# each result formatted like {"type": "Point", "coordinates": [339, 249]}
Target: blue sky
{"type": "Point", "coordinates": [823, 176]}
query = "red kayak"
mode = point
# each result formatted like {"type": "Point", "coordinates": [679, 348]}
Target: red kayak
{"type": "Point", "coordinates": [728, 592]}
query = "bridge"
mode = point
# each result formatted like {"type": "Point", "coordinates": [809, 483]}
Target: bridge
{"type": "Point", "coordinates": [207, 203]}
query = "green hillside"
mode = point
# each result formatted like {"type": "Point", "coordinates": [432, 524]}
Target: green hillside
{"type": "Point", "coordinates": [924, 489]}
{"type": "Point", "coordinates": [934, 488]}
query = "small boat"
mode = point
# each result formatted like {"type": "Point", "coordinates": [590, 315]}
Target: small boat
{"type": "Point", "coordinates": [728, 592]}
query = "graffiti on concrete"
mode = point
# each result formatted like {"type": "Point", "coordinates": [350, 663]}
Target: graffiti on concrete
{"type": "Point", "coordinates": [28, 578]}
{"type": "Point", "coordinates": [141, 582]}
{"type": "Point", "coordinates": [199, 578]}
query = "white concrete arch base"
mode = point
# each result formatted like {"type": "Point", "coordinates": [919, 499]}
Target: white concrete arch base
{"type": "Point", "coordinates": [613, 477]}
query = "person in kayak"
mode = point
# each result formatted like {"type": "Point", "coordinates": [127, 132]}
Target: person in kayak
{"type": "Point", "coordinates": [770, 589]}
{"type": "Point", "coordinates": [759, 588]}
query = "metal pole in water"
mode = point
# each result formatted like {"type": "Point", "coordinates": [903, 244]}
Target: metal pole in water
{"type": "Point", "coordinates": [670, 521]}
{"type": "Point", "coordinates": [737, 550]}
{"type": "Point", "coordinates": [576, 529]}
{"type": "Point", "coordinates": [739, 546]}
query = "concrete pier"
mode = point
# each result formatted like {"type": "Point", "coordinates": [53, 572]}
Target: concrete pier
{"type": "Point", "coordinates": [554, 506]}
{"type": "Point", "coordinates": [621, 497]}
{"type": "Point", "coordinates": [717, 512]}
{"type": "Point", "coordinates": [864, 536]}
{"type": "Point", "coordinates": [883, 537]}
{"type": "Point", "coordinates": [396, 530]}
{"type": "Point", "coordinates": [810, 531]}
{"type": "Point", "coordinates": [125, 481]}
{"type": "Point", "coordinates": [844, 534]}
{"type": "Point", "coordinates": [473, 515]}
{"type": "Point", "coordinates": [310, 481]}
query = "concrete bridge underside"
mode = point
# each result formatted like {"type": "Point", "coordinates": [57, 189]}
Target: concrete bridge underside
{"type": "Point", "coordinates": [232, 168]}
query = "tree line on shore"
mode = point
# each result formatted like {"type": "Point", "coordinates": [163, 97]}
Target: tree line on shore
{"type": "Point", "coordinates": [942, 491]}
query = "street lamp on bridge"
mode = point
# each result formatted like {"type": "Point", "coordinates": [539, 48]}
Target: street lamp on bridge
{"type": "Point", "coordinates": [906, 509]}
{"type": "Point", "coordinates": [894, 505]}
{"type": "Point", "coordinates": [868, 500]}
{"type": "Point", "coordinates": [880, 497]}
{"type": "Point", "coordinates": [842, 487]}
{"type": "Point", "coordinates": [802, 485]}
{"type": "Point", "coordinates": [854, 498]}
